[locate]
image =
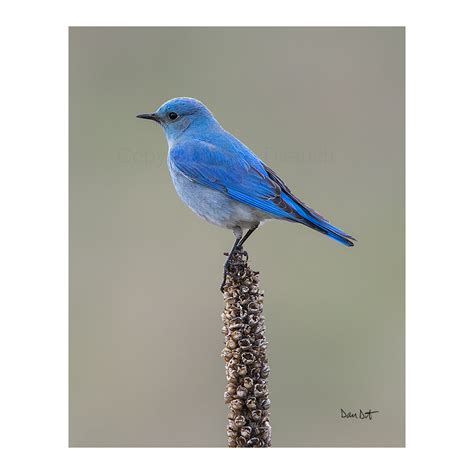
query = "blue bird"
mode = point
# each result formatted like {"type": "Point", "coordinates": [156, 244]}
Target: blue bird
{"type": "Point", "coordinates": [223, 181]}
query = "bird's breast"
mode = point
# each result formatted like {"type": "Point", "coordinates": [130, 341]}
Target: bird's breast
{"type": "Point", "coordinates": [214, 206]}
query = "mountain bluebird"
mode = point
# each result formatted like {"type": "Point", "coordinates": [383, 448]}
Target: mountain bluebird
{"type": "Point", "coordinates": [223, 181]}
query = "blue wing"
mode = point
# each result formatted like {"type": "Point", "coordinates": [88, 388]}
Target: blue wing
{"type": "Point", "coordinates": [236, 171]}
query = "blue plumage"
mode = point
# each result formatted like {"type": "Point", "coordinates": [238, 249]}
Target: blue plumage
{"type": "Point", "coordinates": [222, 180]}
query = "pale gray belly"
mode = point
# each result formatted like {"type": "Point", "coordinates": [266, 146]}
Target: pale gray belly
{"type": "Point", "coordinates": [214, 206]}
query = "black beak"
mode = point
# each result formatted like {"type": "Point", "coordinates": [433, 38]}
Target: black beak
{"type": "Point", "coordinates": [149, 117]}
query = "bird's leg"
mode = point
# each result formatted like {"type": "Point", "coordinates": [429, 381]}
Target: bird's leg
{"type": "Point", "coordinates": [238, 236]}
{"type": "Point", "coordinates": [239, 242]}
{"type": "Point", "coordinates": [247, 235]}
{"type": "Point", "coordinates": [229, 258]}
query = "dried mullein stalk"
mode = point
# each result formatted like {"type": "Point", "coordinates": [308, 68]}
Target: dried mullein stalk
{"type": "Point", "coordinates": [245, 357]}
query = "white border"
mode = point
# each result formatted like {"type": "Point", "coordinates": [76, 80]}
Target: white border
{"type": "Point", "coordinates": [34, 238]}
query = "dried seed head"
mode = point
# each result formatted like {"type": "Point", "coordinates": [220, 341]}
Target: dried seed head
{"type": "Point", "coordinates": [245, 357]}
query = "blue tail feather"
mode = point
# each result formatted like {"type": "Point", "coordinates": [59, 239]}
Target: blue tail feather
{"type": "Point", "coordinates": [319, 223]}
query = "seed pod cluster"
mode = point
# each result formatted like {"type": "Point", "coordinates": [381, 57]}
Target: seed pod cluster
{"type": "Point", "coordinates": [245, 357]}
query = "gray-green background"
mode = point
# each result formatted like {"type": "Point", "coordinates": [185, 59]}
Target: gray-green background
{"type": "Point", "coordinates": [324, 107]}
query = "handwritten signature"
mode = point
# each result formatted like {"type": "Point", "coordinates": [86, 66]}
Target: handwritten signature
{"type": "Point", "coordinates": [360, 415]}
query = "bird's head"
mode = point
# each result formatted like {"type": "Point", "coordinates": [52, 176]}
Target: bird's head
{"type": "Point", "coordinates": [181, 115]}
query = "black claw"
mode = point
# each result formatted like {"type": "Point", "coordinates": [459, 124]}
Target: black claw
{"type": "Point", "coordinates": [237, 248]}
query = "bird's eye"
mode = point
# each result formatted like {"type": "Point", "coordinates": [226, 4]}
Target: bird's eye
{"type": "Point", "coordinates": [173, 115]}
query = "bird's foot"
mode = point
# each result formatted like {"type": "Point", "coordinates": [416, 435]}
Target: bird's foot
{"type": "Point", "coordinates": [230, 263]}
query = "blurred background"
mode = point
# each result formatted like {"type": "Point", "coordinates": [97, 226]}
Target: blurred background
{"type": "Point", "coordinates": [324, 107]}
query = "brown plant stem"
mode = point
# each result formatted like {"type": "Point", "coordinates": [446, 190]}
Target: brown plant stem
{"type": "Point", "coordinates": [246, 362]}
